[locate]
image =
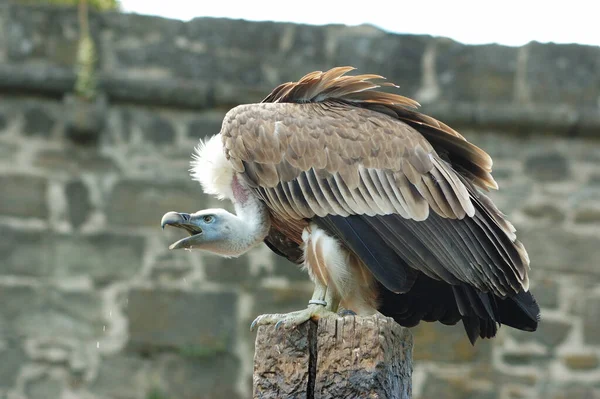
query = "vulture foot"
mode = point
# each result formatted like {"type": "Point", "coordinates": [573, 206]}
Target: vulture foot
{"type": "Point", "coordinates": [313, 312]}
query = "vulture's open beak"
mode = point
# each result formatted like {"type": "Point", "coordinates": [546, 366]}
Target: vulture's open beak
{"type": "Point", "coordinates": [183, 221]}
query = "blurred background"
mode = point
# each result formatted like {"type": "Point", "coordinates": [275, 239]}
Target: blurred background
{"type": "Point", "coordinates": [100, 110]}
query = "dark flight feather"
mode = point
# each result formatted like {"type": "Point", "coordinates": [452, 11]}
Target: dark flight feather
{"type": "Point", "coordinates": [398, 188]}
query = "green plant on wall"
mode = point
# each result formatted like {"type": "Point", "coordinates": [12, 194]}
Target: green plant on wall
{"type": "Point", "coordinates": [100, 5]}
{"type": "Point", "coordinates": [85, 63]}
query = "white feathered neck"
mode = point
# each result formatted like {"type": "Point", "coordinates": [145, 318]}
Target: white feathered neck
{"type": "Point", "coordinates": [211, 168]}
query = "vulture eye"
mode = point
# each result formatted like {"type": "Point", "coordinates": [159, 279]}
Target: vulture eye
{"type": "Point", "coordinates": [209, 219]}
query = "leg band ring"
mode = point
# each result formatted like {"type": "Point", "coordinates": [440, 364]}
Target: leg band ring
{"type": "Point", "coordinates": [317, 302]}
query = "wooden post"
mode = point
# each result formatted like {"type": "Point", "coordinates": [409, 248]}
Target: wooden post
{"type": "Point", "coordinates": [350, 357]}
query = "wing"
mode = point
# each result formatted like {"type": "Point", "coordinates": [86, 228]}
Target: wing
{"type": "Point", "coordinates": [332, 160]}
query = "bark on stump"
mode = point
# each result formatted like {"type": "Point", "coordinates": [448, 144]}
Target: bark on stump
{"type": "Point", "coordinates": [351, 357]}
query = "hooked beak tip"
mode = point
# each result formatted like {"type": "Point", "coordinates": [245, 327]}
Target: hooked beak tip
{"type": "Point", "coordinates": [170, 218]}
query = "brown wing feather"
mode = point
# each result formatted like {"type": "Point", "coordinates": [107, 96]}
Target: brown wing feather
{"type": "Point", "coordinates": [360, 91]}
{"type": "Point", "coordinates": [329, 145]}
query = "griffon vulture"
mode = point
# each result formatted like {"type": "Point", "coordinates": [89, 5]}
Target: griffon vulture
{"type": "Point", "coordinates": [381, 204]}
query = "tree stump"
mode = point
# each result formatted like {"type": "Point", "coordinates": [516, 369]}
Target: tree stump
{"type": "Point", "coordinates": [350, 357]}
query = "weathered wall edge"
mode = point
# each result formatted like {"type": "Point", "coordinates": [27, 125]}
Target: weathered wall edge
{"type": "Point", "coordinates": [219, 63]}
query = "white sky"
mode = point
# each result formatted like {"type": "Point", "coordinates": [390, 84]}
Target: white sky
{"type": "Point", "coordinates": [510, 22]}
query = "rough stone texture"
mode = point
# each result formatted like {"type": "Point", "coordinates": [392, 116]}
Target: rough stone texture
{"type": "Point", "coordinates": [79, 234]}
{"type": "Point", "coordinates": [343, 358]}
{"type": "Point", "coordinates": [163, 320]}
{"type": "Point", "coordinates": [556, 74]}
{"type": "Point", "coordinates": [584, 361]}
{"type": "Point", "coordinates": [547, 293]}
{"type": "Point", "coordinates": [44, 387]}
{"type": "Point", "coordinates": [103, 257]}
{"type": "Point", "coordinates": [13, 357]}
{"type": "Point", "coordinates": [24, 252]}
{"type": "Point", "coordinates": [142, 203]}
{"type": "Point", "coordinates": [207, 124]}
{"type": "Point", "coordinates": [37, 122]}
{"type": "Point", "coordinates": [23, 196]}
{"type": "Point", "coordinates": [78, 199]}
{"type": "Point", "coordinates": [3, 122]}
{"type": "Point", "coordinates": [74, 161]}
{"type": "Point", "coordinates": [202, 375]}
{"type": "Point", "coordinates": [559, 249]}
{"type": "Point", "coordinates": [548, 167]}
{"type": "Point", "coordinates": [45, 312]}
{"type": "Point", "coordinates": [476, 73]}
{"type": "Point", "coordinates": [435, 341]}
{"type": "Point", "coordinates": [591, 327]}
{"type": "Point", "coordinates": [454, 388]}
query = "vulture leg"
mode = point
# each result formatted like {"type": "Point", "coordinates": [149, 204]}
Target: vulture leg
{"type": "Point", "coordinates": [324, 303]}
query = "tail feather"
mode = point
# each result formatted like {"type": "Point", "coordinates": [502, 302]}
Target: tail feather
{"type": "Point", "coordinates": [481, 313]}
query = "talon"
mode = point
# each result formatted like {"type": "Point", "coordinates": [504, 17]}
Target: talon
{"type": "Point", "coordinates": [253, 325]}
{"type": "Point", "coordinates": [278, 324]}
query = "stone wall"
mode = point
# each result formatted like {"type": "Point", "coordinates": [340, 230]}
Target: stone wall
{"type": "Point", "coordinates": [92, 303]}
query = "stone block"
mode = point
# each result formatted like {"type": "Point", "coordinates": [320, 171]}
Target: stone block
{"type": "Point", "coordinates": [563, 73]}
{"type": "Point", "coordinates": [172, 266]}
{"type": "Point", "coordinates": [139, 203]}
{"type": "Point", "coordinates": [23, 196]}
{"type": "Point", "coordinates": [9, 152]}
{"type": "Point", "coordinates": [155, 128]}
{"type": "Point", "coordinates": [454, 388]}
{"type": "Point", "coordinates": [484, 73]}
{"type": "Point", "coordinates": [546, 292]}
{"type": "Point", "coordinates": [591, 324]}
{"type": "Point", "coordinates": [223, 270]}
{"type": "Point", "coordinates": [207, 124]}
{"type": "Point", "coordinates": [438, 342]}
{"type": "Point", "coordinates": [79, 205]}
{"type": "Point", "coordinates": [46, 312]}
{"type": "Point", "coordinates": [136, 27]}
{"type": "Point", "coordinates": [196, 324]}
{"type": "Point", "coordinates": [548, 212]}
{"type": "Point", "coordinates": [581, 361]}
{"type": "Point", "coordinates": [104, 257]}
{"type": "Point", "coordinates": [162, 55]}
{"type": "Point", "coordinates": [550, 333]}
{"type": "Point", "coordinates": [526, 359]}
{"type": "Point", "coordinates": [589, 216]}
{"type": "Point", "coordinates": [225, 33]}
{"type": "Point", "coordinates": [200, 376]}
{"type": "Point", "coordinates": [159, 130]}
{"type": "Point", "coordinates": [560, 250]}
{"type": "Point", "coordinates": [122, 376]}
{"type": "Point", "coordinates": [548, 167]}
{"type": "Point", "coordinates": [25, 253]}
{"type": "Point", "coordinates": [44, 33]}
{"type": "Point", "coordinates": [44, 387]}
{"type": "Point", "coordinates": [75, 160]}
{"type": "Point", "coordinates": [38, 121]}
{"type": "Point", "coordinates": [3, 122]}
{"type": "Point", "coordinates": [556, 390]}
{"type": "Point", "coordinates": [13, 357]}
{"type": "Point", "coordinates": [396, 57]}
